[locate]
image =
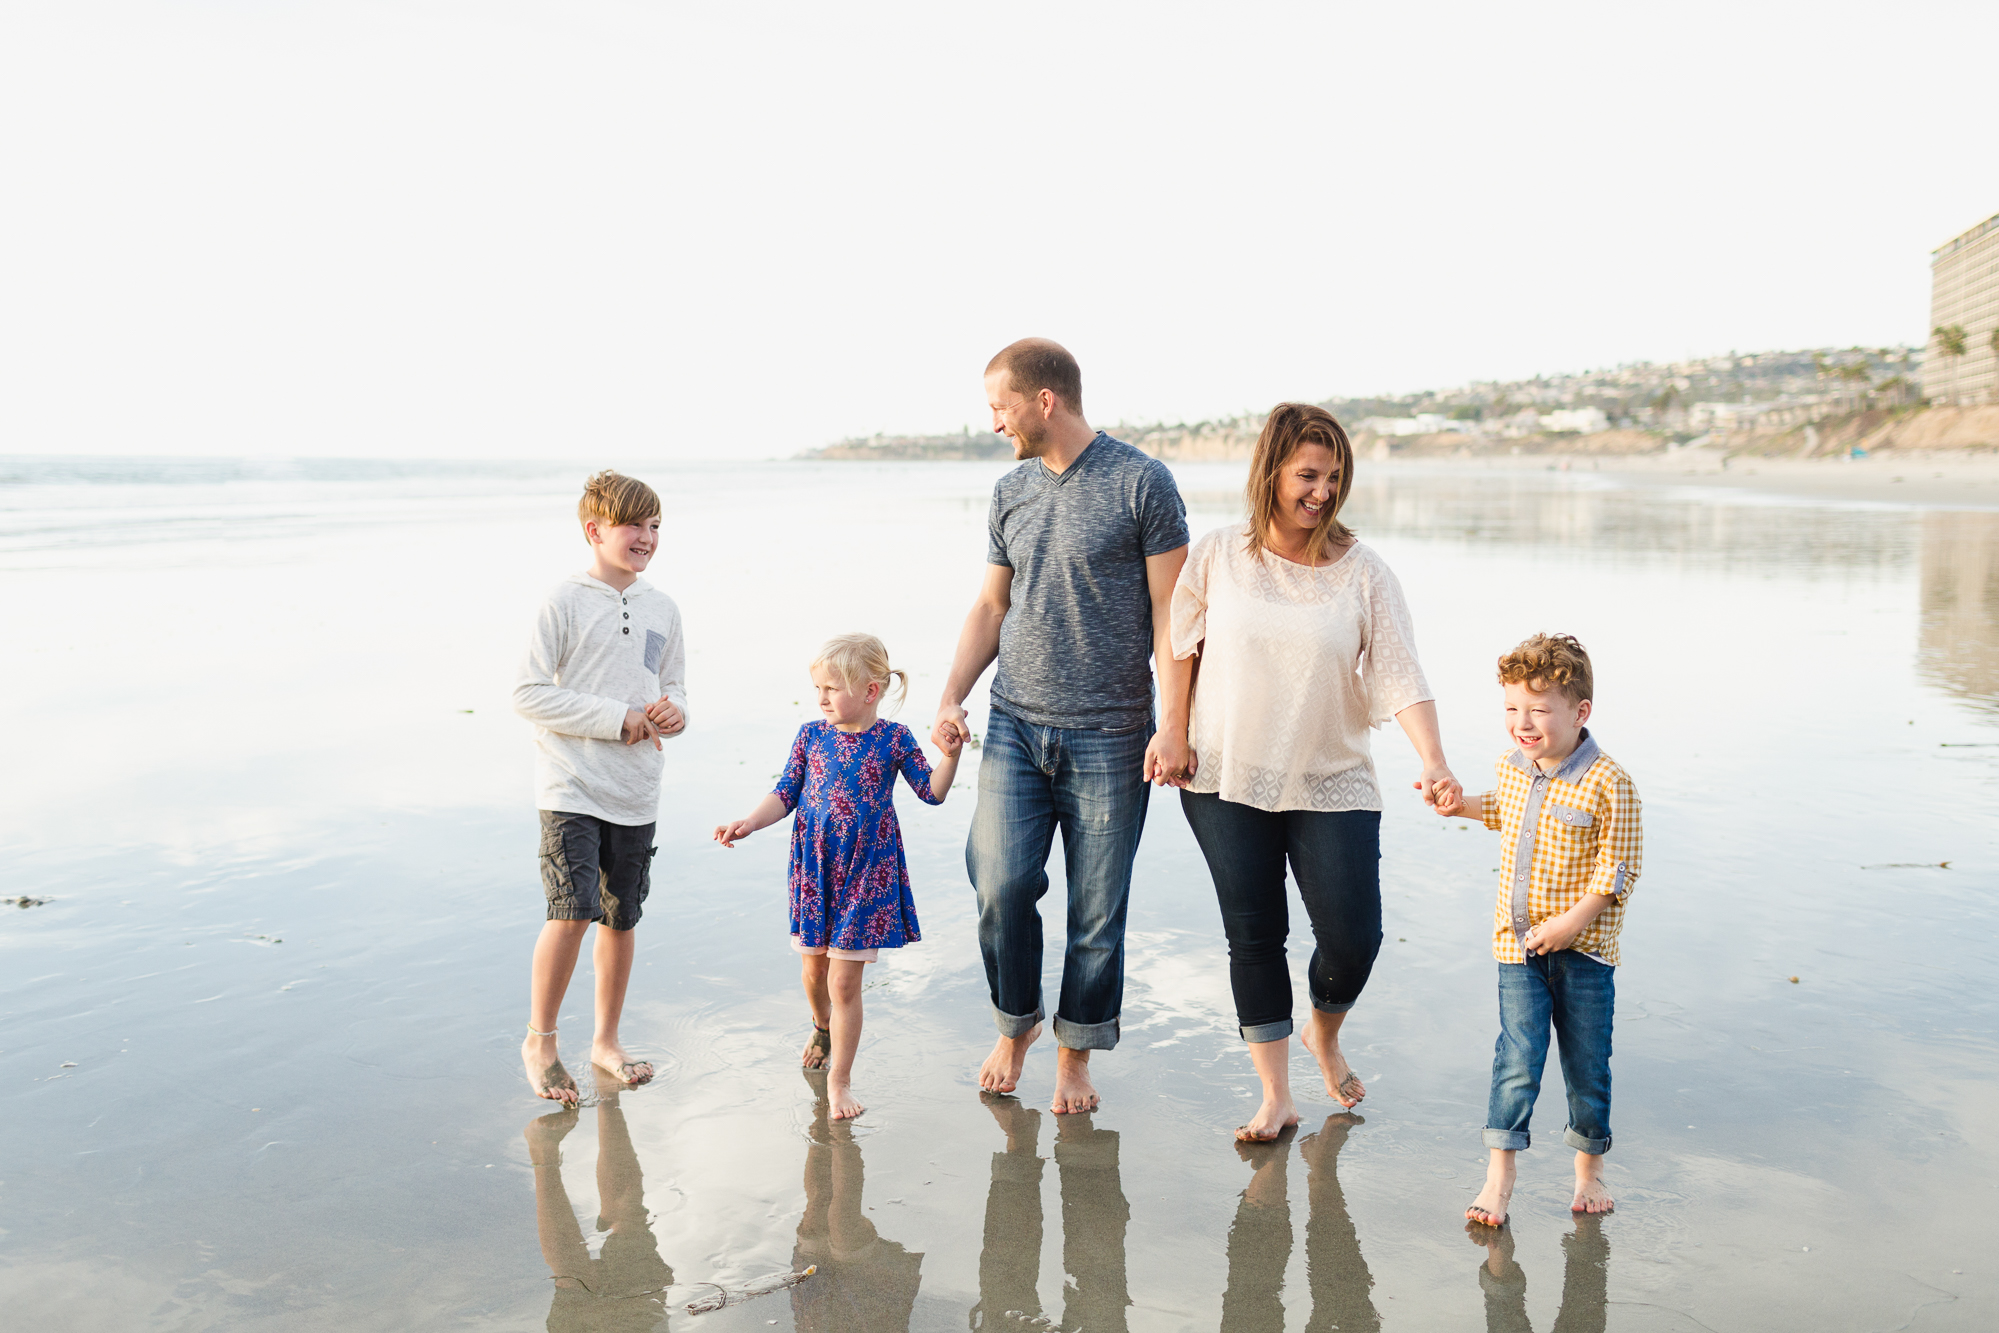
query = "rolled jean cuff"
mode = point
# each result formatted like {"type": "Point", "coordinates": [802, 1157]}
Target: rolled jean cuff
{"type": "Point", "coordinates": [1508, 1140]}
{"type": "Point", "coordinates": [1085, 1036]}
{"type": "Point", "coordinates": [1013, 1026]}
{"type": "Point", "coordinates": [1330, 1007]}
{"type": "Point", "coordinates": [1262, 1032]}
{"type": "Point", "coordinates": [1594, 1147]}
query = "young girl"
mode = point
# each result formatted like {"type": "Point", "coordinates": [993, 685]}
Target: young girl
{"type": "Point", "coordinates": [849, 882]}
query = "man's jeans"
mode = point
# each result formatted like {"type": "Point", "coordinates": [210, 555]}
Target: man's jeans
{"type": "Point", "coordinates": [1576, 994]}
{"type": "Point", "coordinates": [1089, 784]}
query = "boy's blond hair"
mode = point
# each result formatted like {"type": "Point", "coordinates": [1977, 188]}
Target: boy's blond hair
{"type": "Point", "coordinates": [861, 660]}
{"type": "Point", "coordinates": [1547, 661]}
{"type": "Point", "coordinates": [614, 499]}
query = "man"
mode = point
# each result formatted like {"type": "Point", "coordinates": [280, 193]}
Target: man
{"type": "Point", "coordinates": [1086, 538]}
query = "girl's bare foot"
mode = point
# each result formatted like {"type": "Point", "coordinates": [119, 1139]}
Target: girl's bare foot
{"type": "Point", "coordinates": [609, 1055]}
{"type": "Point", "coordinates": [1489, 1208]}
{"type": "Point", "coordinates": [1001, 1071]}
{"type": "Point", "coordinates": [1270, 1120]}
{"type": "Point", "coordinates": [545, 1072]}
{"type": "Point", "coordinates": [1074, 1093]}
{"type": "Point", "coordinates": [818, 1047]}
{"type": "Point", "coordinates": [840, 1097]}
{"type": "Point", "coordinates": [1322, 1039]}
{"type": "Point", "coordinates": [1591, 1196]}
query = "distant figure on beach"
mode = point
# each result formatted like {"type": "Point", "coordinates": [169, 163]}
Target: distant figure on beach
{"type": "Point", "coordinates": [1571, 843]}
{"type": "Point", "coordinates": [604, 675]}
{"type": "Point", "coordinates": [849, 879]}
{"type": "Point", "coordinates": [1085, 539]}
{"type": "Point", "coordinates": [1300, 641]}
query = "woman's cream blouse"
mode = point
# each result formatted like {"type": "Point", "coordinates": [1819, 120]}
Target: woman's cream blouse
{"type": "Point", "coordinates": [1296, 664]}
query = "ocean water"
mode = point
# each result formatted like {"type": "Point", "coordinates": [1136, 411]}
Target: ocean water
{"type": "Point", "coordinates": [258, 1048]}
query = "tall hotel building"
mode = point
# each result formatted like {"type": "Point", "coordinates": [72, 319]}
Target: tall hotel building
{"type": "Point", "coordinates": [1964, 290]}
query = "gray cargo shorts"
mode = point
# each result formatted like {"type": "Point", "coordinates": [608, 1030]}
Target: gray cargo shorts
{"type": "Point", "coordinates": [594, 870]}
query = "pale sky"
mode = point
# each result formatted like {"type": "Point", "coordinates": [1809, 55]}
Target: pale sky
{"type": "Point", "coordinates": [643, 230]}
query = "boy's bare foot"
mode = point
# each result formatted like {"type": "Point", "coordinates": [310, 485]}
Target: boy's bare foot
{"type": "Point", "coordinates": [1270, 1120]}
{"type": "Point", "coordinates": [611, 1056]}
{"type": "Point", "coordinates": [818, 1048]}
{"type": "Point", "coordinates": [840, 1097]}
{"type": "Point", "coordinates": [1489, 1208]}
{"type": "Point", "coordinates": [1074, 1093]}
{"type": "Point", "coordinates": [1342, 1084]}
{"type": "Point", "coordinates": [545, 1072]}
{"type": "Point", "coordinates": [1591, 1196]}
{"type": "Point", "coordinates": [1001, 1071]}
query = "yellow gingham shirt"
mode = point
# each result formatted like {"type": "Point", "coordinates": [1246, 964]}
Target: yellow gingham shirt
{"type": "Point", "coordinates": [1563, 834]}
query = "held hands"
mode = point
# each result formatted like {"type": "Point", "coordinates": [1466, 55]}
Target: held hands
{"type": "Point", "coordinates": [951, 730]}
{"type": "Point", "coordinates": [1169, 762]}
{"type": "Point", "coordinates": [950, 739]}
{"type": "Point", "coordinates": [1441, 790]}
{"type": "Point", "coordinates": [664, 716]}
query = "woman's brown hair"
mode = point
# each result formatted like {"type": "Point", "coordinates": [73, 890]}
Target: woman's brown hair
{"type": "Point", "coordinates": [1290, 427]}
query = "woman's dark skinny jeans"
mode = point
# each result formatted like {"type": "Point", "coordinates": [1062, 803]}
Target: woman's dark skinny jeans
{"type": "Point", "coordinates": [1336, 858]}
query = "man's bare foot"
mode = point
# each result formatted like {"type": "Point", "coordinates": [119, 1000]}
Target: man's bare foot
{"type": "Point", "coordinates": [1021, 1122]}
{"type": "Point", "coordinates": [1591, 1196]}
{"type": "Point", "coordinates": [545, 1072]}
{"type": "Point", "coordinates": [1489, 1208]}
{"type": "Point", "coordinates": [1342, 1084]}
{"type": "Point", "coordinates": [1001, 1071]}
{"type": "Point", "coordinates": [545, 1133]}
{"type": "Point", "coordinates": [1270, 1120]}
{"type": "Point", "coordinates": [611, 1056]}
{"type": "Point", "coordinates": [818, 1047]}
{"type": "Point", "coordinates": [1074, 1093]}
{"type": "Point", "coordinates": [840, 1096]}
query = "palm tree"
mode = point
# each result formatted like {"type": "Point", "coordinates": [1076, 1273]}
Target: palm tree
{"type": "Point", "coordinates": [1856, 374]}
{"type": "Point", "coordinates": [1951, 343]}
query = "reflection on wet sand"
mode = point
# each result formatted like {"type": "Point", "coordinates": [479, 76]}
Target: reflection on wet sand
{"type": "Point", "coordinates": [1095, 1216]}
{"type": "Point", "coordinates": [1959, 641]}
{"type": "Point", "coordinates": [864, 1284]}
{"type": "Point", "coordinates": [624, 1288]}
{"type": "Point", "coordinates": [1259, 1248]}
{"type": "Point", "coordinates": [1585, 1279]}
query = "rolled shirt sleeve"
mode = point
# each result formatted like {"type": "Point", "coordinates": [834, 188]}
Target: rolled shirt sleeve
{"type": "Point", "coordinates": [1620, 844]}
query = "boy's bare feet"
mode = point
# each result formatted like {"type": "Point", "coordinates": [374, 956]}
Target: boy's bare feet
{"type": "Point", "coordinates": [1001, 1071]}
{"type": "Point", "coordinates": [1322, 1039]}
{"type": "Point", "coordinates": [1270, 1120]}
{"type": "Point", "coordinates": [545, 1072]}
{"type": "Point", "coordinates": [840, 1096]}
{"type": "Point", "coordinates": [1074, 1093]}
{"type": "Point", "coordinates": [1591, 1196]}
{"type": "Point", "coordinates": [818, 1047]}
{"type": "Point", "coordinates": [1489, 1208]}
{"type": "Point", "coordinates": [609, 1055]}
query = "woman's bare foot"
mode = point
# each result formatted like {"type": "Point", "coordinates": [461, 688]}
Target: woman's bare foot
{"type": "Point", "coordinates": [1270, 1120]}
{"type": "Point", "coordinates": [1074, 1093]}
{"type": "Point", "coordinates": [1591, 1196]}
{"type": "Point", "coordinates": [840, 1096]}
{"type": "Point", "coordinates": [1001, 1071]}
{"type": "Point", "coordinates": [1489, 1208]}
{"type": "Point", "coordinates": [545, 1072]}
{"type": "Point", "coordinates": [611, 1056]}
{"type": "Point", "coordinates": [818, 1047]}
{"type": "Point", "coordinates": [1322, 1039]}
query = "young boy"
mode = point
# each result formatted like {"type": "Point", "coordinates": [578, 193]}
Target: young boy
{"type": "Point", "coordinates": [603, 681]}
{"type": "Point", "coordinates": [1567, 817]}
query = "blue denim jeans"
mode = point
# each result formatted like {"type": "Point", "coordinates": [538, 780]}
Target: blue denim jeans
{"type": "Point", "coordinates": [1034, 780]}
{"type": "Point", "coordinates": [1575, 994]}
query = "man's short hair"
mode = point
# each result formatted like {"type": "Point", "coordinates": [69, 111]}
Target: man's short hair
{"type": "Point", "coordinates": [1034, 364]}
{"type": "Point", "coordinates": [614, 500]}
{"type": "Point", "coordinates": [1550, 661]}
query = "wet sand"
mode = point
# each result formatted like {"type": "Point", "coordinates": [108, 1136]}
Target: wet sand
{"type": "Point", "coordinates": [293, 892]}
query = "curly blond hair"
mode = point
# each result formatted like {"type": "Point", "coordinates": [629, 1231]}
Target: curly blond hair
{"type": "Point", "coordinates": [1550, 660]}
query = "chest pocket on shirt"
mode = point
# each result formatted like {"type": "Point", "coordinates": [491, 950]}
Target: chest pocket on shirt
{"type": "Point", "coordinates": [655, 646]}
{"type": "Point", "coordinates": [1577, 819]}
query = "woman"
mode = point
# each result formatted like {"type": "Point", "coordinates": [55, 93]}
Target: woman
{"type": "Point", "coordinates": [1302, 642]}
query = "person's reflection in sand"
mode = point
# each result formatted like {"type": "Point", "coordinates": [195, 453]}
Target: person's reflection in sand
{"type": "Point", "coordinates": [864, 1284]}
{"type": "Point", "coordinates": [1585, 1279]}
{"type": "Point", "coordinates": [1259, 1247]}
{"type": "Point", "coordinates": [625, 1286]}
{"type": "Point", "coordinates": [1095, 1217]}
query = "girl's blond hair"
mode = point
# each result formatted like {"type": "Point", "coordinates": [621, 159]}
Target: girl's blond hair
{"type": "Point", "coordinates": [861, 660]}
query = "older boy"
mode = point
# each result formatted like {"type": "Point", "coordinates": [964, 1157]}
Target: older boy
{"type": "Point", "coordinates": [1567, 817]}
{"type": "Point", "coordinates": [604, 673]}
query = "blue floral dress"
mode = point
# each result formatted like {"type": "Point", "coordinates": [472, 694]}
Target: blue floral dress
{"type": "Point", "coordinates": [849, 880]}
